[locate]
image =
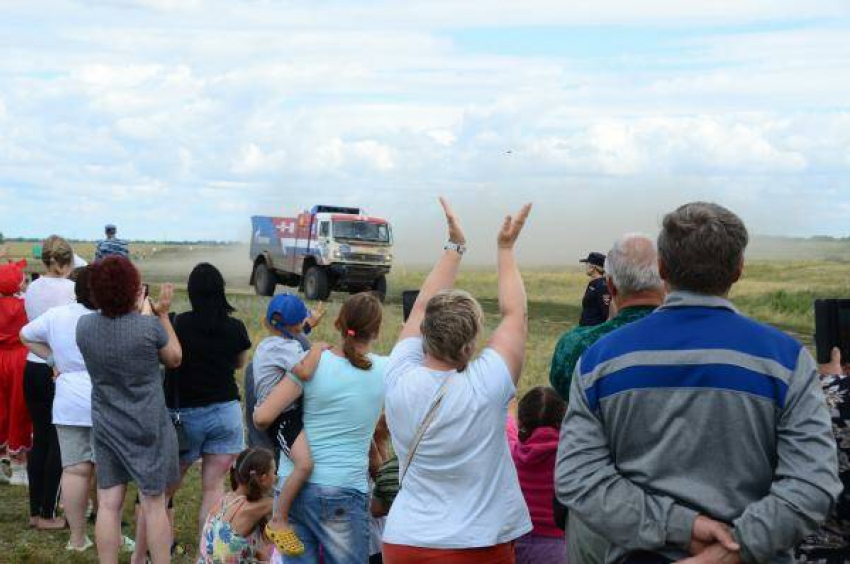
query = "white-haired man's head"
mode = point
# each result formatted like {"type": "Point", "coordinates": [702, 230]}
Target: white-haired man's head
{"type": "Point", "coordinates": [632, 266]}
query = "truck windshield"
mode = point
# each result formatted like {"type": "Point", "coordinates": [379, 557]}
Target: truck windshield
{"type": "Point", "coordinates": [362, 231]}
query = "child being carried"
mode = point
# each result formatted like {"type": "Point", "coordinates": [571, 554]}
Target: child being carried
{"type": "Point", "coordinates": [281, 353]}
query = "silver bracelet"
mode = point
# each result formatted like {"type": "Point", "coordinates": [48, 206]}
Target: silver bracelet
{"type": "Point", "coordinates": [459, 248]}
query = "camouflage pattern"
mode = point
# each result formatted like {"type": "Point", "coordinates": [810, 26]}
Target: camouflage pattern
{"type": "Point", "coordinates": [573, 344]}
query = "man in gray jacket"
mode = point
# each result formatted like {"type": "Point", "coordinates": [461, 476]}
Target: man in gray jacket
{"type": "Point", "coordinates": [697, 431]}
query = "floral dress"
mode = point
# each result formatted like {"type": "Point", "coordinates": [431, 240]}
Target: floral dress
{"type": "Point", "coordinates": [831, 544]}
{"type": "Point", "coordinates": [220, 544]}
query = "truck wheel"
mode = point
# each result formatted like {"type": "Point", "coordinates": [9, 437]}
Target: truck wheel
{"type": "Point", "coordinates": [379, 287]}
{"type": "Point", "coordinates": [264, 281]}
{"type": "Point", "coordinates": [316, 284]}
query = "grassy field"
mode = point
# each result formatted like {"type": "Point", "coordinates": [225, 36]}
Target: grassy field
{"type": "Point", "coordinates": [776, 292]}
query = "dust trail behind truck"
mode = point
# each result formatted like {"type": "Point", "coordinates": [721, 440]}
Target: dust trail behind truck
{"type": "Point", "coordinates": [327, 249]}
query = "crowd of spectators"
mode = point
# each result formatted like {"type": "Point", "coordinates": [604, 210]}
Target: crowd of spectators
{"type": "Point", "coordinates": [675, 427]}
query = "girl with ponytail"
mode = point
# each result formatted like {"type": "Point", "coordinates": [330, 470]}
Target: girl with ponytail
{"type": "Point", "coordinates": [233, 529]}
{"type": "Point", "coordinates": [358, 323]}
{"type": "Point", "coordinates": [342, 403]}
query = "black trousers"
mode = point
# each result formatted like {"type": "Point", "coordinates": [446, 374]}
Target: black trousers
{"type": "Point", "coordinates": [44, 465]}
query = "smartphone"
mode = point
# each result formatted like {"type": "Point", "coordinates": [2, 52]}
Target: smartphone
{"type": "Point", "coordinates": [147, 290]}
{"type": "Point", "coordinates": [832, 328]}
{"type": "Point", "coordinates": [408, 298]}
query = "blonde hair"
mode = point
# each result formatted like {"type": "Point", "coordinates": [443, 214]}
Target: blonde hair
{"type": "Point", "coordinates": [56, 253]}
{"type": "Point", "coordinates": [450, 329]}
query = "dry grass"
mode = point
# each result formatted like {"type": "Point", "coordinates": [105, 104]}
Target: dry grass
{"type": "Point", "coordinates": [777, 292]}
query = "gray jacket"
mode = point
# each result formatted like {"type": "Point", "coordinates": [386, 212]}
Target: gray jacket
{"type": "Point", "coordinates": [697, 410]}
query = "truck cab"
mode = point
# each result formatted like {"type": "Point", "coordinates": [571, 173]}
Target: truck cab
{"type": "Point", "coordinates": [326, 249]}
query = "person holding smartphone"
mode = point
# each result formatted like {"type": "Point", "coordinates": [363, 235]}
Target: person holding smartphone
{"type": "Point", "coordinates": [831, 543]}
{"type": "Point", "coordinates": [134, 439]}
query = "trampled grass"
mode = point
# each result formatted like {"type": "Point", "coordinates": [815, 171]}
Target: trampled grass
{"type": "Point", "coordinates": [780, 293]}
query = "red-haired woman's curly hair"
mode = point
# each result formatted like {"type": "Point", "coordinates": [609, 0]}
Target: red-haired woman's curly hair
{"type": "Point", "coordinates": [114, 284]}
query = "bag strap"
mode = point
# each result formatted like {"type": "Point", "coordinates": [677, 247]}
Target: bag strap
{"type": "Point", "coordinates": [426, 422]}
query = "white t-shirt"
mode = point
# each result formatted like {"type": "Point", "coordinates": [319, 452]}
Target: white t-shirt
{"type": "Point", "coordinates": [58, 329]}
{"type": "Point", "coordinates": [44, 294]}
{"type": "Point", "coordinates": [461, 490]}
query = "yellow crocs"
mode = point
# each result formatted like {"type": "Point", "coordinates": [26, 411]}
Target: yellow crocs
{"type": "Point", "coordinates": [286, 541]}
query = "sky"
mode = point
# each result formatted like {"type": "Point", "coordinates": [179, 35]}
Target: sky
{"type": "Point", "coordinates": [180, 119]}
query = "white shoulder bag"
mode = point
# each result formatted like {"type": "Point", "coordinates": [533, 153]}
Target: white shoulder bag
{"type": "Point", "coordinates": [426, 422]}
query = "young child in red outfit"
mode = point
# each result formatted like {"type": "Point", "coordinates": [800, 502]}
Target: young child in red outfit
{"type": "Point", "coordinates": [533, 438]}
{"type": "Point", "coordinates": [15, 425]}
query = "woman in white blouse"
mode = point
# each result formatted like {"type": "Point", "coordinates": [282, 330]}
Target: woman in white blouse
{"type": "Point", "coordinates": [53, 335]}
{"type": "Point", "coordinates": [460, 499]}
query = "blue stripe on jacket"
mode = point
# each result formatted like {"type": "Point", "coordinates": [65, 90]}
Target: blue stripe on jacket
{"type": "Point", "coordinates": [694, 328]}
{"type": "Point", "coordinates": [713, 376]}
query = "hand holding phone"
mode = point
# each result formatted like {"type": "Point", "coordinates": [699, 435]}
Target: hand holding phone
{"type": "Point", "coordinates": [834, 366]}
{"type": "Point", "coordinates": [832, 330]}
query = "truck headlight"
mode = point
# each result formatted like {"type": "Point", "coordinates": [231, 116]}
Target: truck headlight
{"type": "Point", "coordinates": [337, 254]}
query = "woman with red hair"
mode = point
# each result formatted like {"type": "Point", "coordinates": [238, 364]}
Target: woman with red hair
{"type": "Point", "coordinates": [15, 425]}
{"type": "Point", "coordinates": [134, 438]}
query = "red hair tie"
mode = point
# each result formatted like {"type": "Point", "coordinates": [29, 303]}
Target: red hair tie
{"type": "Point", "coordinates": [351, 333]}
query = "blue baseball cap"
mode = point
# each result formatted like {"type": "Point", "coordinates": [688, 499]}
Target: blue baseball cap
{"type": "Point", "coordinates": [286, 310]}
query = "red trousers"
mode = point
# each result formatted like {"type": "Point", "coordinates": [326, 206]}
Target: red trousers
{"type": "Point", "coordinates": [15, 425]}
{"type": "Point", "coordinates": [499, 554]}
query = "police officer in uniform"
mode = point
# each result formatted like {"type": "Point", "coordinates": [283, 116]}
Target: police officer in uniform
{"type": "Point", "coordinates": [597, 300]}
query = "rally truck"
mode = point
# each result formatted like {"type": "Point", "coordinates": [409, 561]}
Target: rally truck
{"type": "Point", "coordinates": [327, 249]}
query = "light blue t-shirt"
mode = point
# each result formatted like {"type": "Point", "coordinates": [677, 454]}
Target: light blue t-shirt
{"type": "Point", "coordinates": [342, 405]}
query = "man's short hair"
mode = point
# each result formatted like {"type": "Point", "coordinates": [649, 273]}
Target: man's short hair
{"type": "Point", "coordinates": [702, 247]}
{"type": "Point", "coordinates": [633, 264]}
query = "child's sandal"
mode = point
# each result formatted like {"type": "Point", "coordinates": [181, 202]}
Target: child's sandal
{"type": "Point", "coordinates": [286, 541]}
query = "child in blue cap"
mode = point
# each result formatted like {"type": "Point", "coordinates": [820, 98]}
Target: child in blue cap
{"type": "Point", "coordinates": [277, 354]}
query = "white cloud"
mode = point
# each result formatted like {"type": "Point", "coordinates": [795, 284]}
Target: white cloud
{"type": "Point", "coordinates": [253, 159]}
{"type": "Point", "coordinates": [208, 103]}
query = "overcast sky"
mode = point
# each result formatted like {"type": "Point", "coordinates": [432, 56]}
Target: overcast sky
{"type": "Point", "coordinates": [179, 119]}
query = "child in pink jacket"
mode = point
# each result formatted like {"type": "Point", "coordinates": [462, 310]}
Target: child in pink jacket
{"type": "Point", "coordinates": [533, 438]}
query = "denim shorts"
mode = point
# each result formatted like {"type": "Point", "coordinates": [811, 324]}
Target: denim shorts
{"type": "Point", "coordinates": [212, 429]}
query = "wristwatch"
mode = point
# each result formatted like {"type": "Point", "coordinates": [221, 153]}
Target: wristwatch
{"type": "Point", "coordinates": [459, 248]}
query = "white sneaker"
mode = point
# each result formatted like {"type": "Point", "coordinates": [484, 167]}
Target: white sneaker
{"type": "Point", "coordinates": [19, 477]}
{"type": "Point", "coordinates": [86, 545]}
{"type": "Point", "coordinates": [128, 545]}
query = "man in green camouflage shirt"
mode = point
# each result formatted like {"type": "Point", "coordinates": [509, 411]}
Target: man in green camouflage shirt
{"type": "Point", "coordinates": [573, 344]}
{"type": "Point", "coordinates": [636, 290]}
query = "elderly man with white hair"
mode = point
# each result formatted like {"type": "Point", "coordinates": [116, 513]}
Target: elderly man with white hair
{"type": "Point", "coordinates": [636, 288]}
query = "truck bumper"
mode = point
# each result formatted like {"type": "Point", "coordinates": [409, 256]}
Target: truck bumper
{"type": "Point", "coordinates": [353, 276]}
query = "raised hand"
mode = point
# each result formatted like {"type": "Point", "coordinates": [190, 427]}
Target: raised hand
{"type": "Point", "coordinates": [512, 227]}
{"type": "Point", "coordinates": [317, 315]}
{"type": "Point", "coordinates": [455, 231]}
{"type": "Point", "coordinates": [163, 304]}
